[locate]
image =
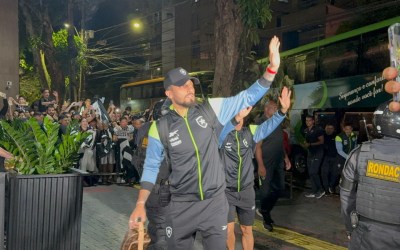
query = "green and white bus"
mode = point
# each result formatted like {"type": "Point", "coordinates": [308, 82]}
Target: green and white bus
{"type": "Point", "coordinates": [337, 79]}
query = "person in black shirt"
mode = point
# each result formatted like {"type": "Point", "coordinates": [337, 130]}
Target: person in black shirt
{"type": "Point", "coordinates": [329, 165]}
{"type": "Point", "coordinates": [314, 144]}
{"type": "Point", "coordinates": [271, 160]}
{"type": "Point", "coordinates": [46, 100]}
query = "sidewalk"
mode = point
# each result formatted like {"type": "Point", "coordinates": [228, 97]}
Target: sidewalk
{"type": "Point", "coordinates": [301, 223]}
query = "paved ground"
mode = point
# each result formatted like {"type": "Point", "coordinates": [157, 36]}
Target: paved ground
{"type": "Point", "coordinates": [301, 223]}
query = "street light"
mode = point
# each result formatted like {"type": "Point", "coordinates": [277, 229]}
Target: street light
{"type": "Point", "coordinates": [137, 25]}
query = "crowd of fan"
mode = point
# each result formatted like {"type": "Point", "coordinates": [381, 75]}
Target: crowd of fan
{"type": "Point", "coordinates": [109, 151]}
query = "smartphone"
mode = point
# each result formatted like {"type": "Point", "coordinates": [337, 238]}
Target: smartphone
{"type": "Point", "coordinates": [394, 46]}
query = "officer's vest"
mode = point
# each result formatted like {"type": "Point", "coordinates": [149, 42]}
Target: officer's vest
{"type": "Point", "coordinates": [378, 193]}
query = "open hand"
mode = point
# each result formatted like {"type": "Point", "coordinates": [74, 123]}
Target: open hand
{"type": "Point", "coordinates": [274, 56]}
{"type": "Point", "coordinates": [284, 99]}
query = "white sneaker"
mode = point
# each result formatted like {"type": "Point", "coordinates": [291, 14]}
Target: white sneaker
{"type": "Point", "coordinates": [258, 212]}
{"type": "Point", "coordinates": [310, 195]}
{"type": "Point", "coordinates": [319, 194]}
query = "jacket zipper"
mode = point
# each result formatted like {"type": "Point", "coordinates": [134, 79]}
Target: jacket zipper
{"type": "Point", "coordinates": [198, 159]}
{"type": "Point", "coordinates": [240, 160]}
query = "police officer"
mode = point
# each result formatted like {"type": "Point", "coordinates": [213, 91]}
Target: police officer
{"type": "Point", "coordinates": [370, 188]}
{"type": "Point", "coordinates": [198, 202]}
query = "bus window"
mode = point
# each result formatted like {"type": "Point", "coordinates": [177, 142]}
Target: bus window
{"type": "Point", "coordinates": [302, 67]}
{"type": "Point", "coordinates": [374, 52]}
{"type": "Point", "coordinates": [339, 59]}
{"type": "Point", "coordinates": [159, 90]}
{"type": "Point", "coordinates": [135, 92]}
{"type": "Point", "coordinates": [123, 94]}
{"type": "Point", "coordinates": [148, 91]}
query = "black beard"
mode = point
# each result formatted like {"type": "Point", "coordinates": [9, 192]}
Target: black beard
{"type": "Point", "coordinates": [188, 104]}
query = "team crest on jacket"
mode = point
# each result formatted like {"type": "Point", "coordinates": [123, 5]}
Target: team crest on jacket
{"type": "Point", "coordinates": [168, 230]}
{"type": "Point", "coordinates": [202, 123]}
{"type": "Point", "coordinates": [245, 143]}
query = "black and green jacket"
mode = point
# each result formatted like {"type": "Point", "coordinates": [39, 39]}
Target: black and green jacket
{"type": "Point", "coordinates": [197, 172]}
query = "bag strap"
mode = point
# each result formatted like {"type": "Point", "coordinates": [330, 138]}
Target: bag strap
{"type": "Point", "coordinates": [163, 131]}
{"type": "Point", "coordinates": [208, 113]}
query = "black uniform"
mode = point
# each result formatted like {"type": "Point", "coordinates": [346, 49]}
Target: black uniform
{"type": "Point", "coordinates": [273, 185]}
{"type": "Point", "coordinates": [370, 187]}
{"type": "Point", "coordinates": [314, 157]}
{"type": "Point", "coordinates": [329, 168]}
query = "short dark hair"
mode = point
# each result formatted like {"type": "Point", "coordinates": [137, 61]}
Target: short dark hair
{"type": "Point", "coordinates": [61, 117]}
{"type": "Point", "coordinates": [330, 124]}
{"type": "Point", "coordinates": [310, 116]}
{"type": "Point", "coordinates": [44, 89]}
{"type": "Point", "coordinates": [347, 124]}
{"type": "Point", "coordinates": [50, 106]}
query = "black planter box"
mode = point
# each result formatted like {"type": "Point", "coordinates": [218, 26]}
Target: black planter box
{"type": "Point", "coordinates": [45, 212]}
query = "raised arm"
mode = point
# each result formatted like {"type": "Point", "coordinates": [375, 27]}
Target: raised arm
{"type": "Point", "coordinates": [227, 108]}
{"type": "Point", "coordinates": [267, 127]}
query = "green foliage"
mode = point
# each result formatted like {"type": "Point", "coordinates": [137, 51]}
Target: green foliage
{"type": "Point", "coordinates": [35, 42]}
{"type": "Point", "coordinates": [60, 39]}
{"type": "Point", "coordinates": [25, 66]}
{"type": "Point", "coordinates": [29, 86]}
{"type": "Point", "coordinates": [255, 14]}
{"type": "Point", "coordinates": [38, 150]}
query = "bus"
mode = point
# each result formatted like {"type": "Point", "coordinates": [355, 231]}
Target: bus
{"type": "Point", "coordinates": [337, 80]}
{"type": "Point", "coordinates": [142, 95]}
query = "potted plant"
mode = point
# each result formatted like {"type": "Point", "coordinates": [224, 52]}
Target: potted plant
{"type": "Point", "coordinates": [45, 196]}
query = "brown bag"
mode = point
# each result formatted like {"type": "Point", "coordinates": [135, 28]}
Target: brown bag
{"type": "Point", "coordinates": [136, 239]}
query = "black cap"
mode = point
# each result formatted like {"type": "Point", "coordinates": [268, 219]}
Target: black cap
{"type": "Point", "coordinates": [178, 77]}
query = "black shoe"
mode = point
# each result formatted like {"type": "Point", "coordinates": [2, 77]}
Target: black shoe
{"type": "Point", "coordinates": [268, 226]}
{"type": "Point", "coordinates": [264, 216]}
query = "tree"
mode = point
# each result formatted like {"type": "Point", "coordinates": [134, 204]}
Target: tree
{"type": "Point", "coordinates": [39, 29]}
{"type": "Point", "coordinates": [236, 26]}
{"type": "Point", "coordinates": [57, 53]}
